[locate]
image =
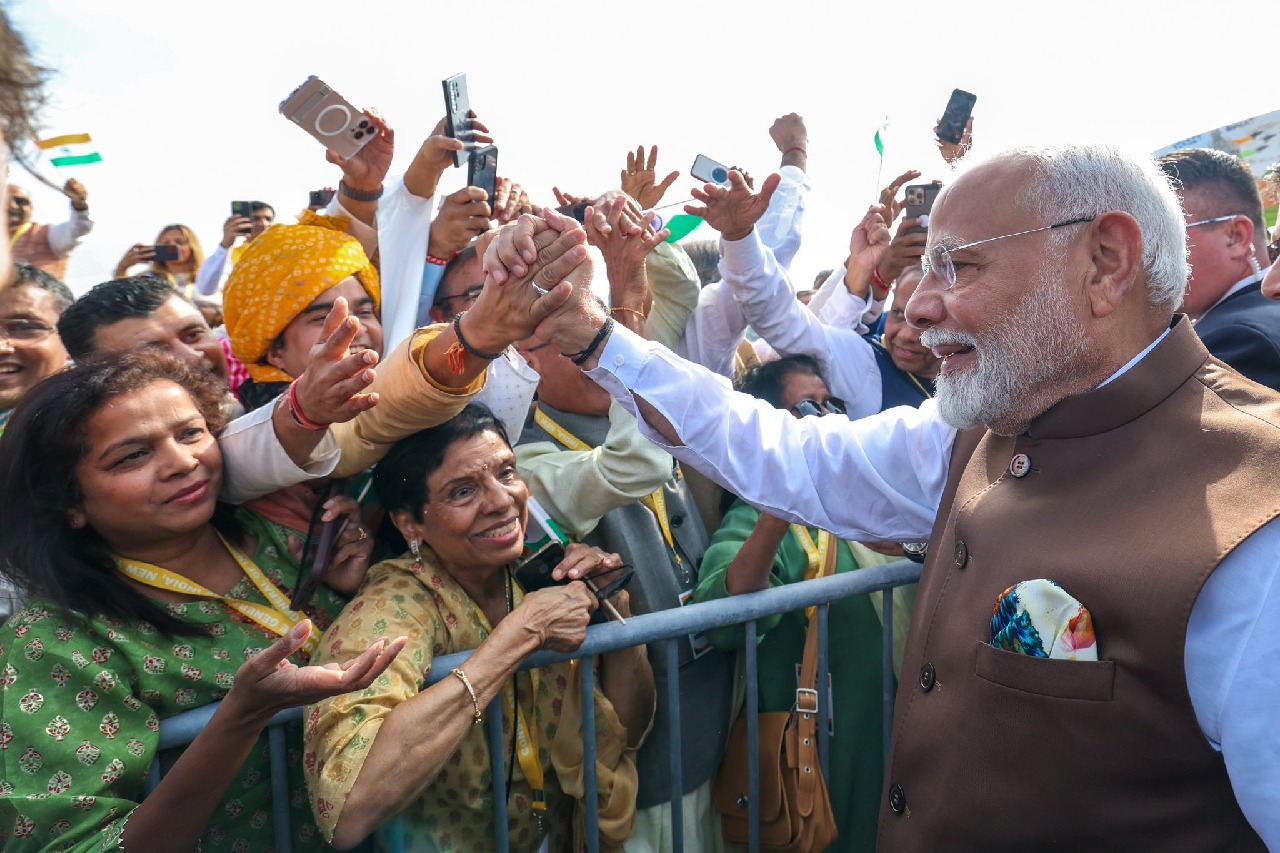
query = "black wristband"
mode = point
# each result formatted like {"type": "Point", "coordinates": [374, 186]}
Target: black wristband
{"type": "Point", "coordinates": [580, 357]}
{"type": "Point", "coordinates": [358, 195]}
{"type": "Point", "coordinates": [457, 330]}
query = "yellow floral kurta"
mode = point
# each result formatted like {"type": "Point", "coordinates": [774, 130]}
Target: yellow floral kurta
{"type": "Point", "coordinates": [455, 812]}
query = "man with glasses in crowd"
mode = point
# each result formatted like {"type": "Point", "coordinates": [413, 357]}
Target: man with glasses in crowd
{"type": "Point", "coordinates": [1083, 444]}
{"type": "Point", "coordinates": [1228, 243]}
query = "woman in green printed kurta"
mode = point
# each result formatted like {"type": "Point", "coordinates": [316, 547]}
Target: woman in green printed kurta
{"type": "Point", "coordinates": [111, 467]}
{"type": "Point", "coordinates": [753, 551]}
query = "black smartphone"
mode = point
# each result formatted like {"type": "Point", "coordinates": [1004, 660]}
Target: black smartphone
{"type": "Point", "coordinates": [165, 253]}
{"type": "Point", "coordinates": [457, 109]}
{"type": "Point", "coordinates": [482, 171]}
{"type": "Point", "coordinates": [919, 201]}
{"type": "Point", "coordinates": [245, 209]}
{"type": "Point", "coordinates": [535, 572]}
{"type": "Point", "coordinates": [956, 116]}
{"type": "Point", "coordinates": [320, 198]}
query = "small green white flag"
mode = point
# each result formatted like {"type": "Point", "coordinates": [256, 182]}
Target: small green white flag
{"type": "Point", "coordinates": [880, 134]}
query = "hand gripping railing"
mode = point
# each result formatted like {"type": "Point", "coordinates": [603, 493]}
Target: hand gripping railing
{"type": "Point", "coordinates": [667, 627]}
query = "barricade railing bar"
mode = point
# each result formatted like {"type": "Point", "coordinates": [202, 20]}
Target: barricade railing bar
{"type": "Point", "coordinates": [666, 628]}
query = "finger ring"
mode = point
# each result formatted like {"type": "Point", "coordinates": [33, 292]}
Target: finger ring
{"type": "Point", "coordinates": [364, 534]}
{"type": "Point", "coordinates": [541, 291]}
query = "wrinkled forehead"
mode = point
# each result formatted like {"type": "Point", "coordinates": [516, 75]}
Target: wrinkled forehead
{"type": "Point", "coordinates": [985, 201]}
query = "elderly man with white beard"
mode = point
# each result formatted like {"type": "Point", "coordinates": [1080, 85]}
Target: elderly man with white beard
{"type": "Point", "coordinates": [1085, 459]}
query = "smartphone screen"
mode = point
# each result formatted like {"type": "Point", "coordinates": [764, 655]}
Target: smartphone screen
{"type": "Point", "coordinates": [457, 107]}
{"type": "Point", "coordinates": [956, 116]}
{"type": "Point", "coordinates": [483, 171]}
{"type": "Point", "coordinates": [165, 252]}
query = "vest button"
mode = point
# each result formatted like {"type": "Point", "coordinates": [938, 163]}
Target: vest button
{"type": "Point", "coordinates": [1020, 465]}
{"type": "Point", "coordinates": [962, 554]}
{"type": "Point", "coordinates": [928, 677]}
{"type": "Point", "coordinates": [897, 799]}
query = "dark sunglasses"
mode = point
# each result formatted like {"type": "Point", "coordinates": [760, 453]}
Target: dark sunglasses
{"type": "Point", "coordinates": [21, 202]}
{"type": "Point", "coordinates": [829, 406]}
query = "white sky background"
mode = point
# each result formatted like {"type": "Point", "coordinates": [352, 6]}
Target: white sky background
{"type": "Point", "coordinates": [182, 97]}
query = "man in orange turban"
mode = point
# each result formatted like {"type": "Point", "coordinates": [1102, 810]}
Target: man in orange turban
{"type": "Point", "coordinates": [280, 292]}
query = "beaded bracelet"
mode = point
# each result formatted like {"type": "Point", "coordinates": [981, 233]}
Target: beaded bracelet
{"type": "Point", "coordinates": [475, 703]}
{"type": "Point", "coordinates": [639, 314]}
{"type": "Point", "coordinates": [581, 357]}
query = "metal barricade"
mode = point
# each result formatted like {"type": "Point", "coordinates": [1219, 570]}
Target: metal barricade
{"type": "Point", "coordinates": [666, 628]}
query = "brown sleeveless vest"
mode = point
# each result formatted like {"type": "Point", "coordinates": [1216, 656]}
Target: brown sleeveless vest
{"type": "Point", "coordinates": [1130, 496]}
{"type": "Point", "coordinates": [33, 248]}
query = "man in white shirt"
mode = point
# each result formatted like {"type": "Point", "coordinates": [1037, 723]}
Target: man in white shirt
{"type": "Point", "coordinates": [47, 246]}
{"type": "Point", "coordinates": [1097, 433]}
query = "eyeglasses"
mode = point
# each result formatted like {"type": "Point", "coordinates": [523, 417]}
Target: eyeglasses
{"type": "Point", "coordinates": [27, 331]}
{"type": "Point", "coordinates": [829, 406]}
{"type": "Point", "coordinates": [938, 259]}
{"type": "Point", "coordinates": [20, 201]}
{"type": "Point", "coordinates": [471, 294]}
{"type": "Point", "coordinates": [1215, 220]}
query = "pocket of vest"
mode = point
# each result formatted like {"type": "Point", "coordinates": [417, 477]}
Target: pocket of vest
{"type": "Point", "coordinates": [1060, 679]}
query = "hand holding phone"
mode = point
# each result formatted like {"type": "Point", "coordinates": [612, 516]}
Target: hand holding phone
{"type": "Point", "coordinates": [244, 209]}
{"type": "Point", "coordinates": [164, 253]}
{"type": "Point", "coordinates": [330, 118]}
{"type": "Point", "coordinates": [920, 198]}
{"type": "Point", "coordinates": [320, 198]}
{"type": "Point", "coordinates": [954, 118]}
{"type": "Point", "coordinates": [709, 171]}
{"type": "Point", "coordinates": [457, 109]}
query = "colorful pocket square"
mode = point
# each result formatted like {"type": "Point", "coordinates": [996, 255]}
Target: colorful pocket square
{"type": "Point", "coordinates": [1039, 618]}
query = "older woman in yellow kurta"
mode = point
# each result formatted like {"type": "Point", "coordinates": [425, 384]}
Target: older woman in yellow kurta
{"type": "Point", "coordinates": [455, 494]}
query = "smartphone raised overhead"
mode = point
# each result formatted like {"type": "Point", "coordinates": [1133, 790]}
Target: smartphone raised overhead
{"type": "Point", "coordinates": [245, 209]}
{"type": "Point", "coordinates": [482, 171]}
{"type": "Point", "coordinates": [457, 111]}
{"type": "Point", "coordinates": [320, 198]}
{"type": "Point", "coordinates": [320, 111]}
{"type": "Point", "coordinates": [919, 201]}
{"type": "Point", "coordinates": [709, 171]}
{"type": "Point", "coordinates": [956, 116]}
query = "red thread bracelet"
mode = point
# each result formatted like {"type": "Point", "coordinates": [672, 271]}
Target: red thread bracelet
{"type": "Point", "coordinates": [440, 262]}
{"type": "Point", "coordinates": [291, 400]}
{"type": "Point", "coordinates": [795, 148]}
{"type": "Point", "coordinates": [878, 281]}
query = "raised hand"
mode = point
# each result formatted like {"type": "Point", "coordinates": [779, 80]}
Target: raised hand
{"type": "Point", "coordinates": [735, 209]}
{"type": "Point", "coordinates": [330, 389]}
{"type": "Point", "coordinates": [953, 151]}
{"type": "Point", "coordinates": [463, 215]}
{"type": "Point", "coordinates": [435, 156]}
{"type": "Point", "coordinates": [869, 242]}
{"type": "Point", "coordinates": [792, 138]}
{"type": "Point", "coordinates": [366, 171]}
{"type": "Point", "coordinates": [233, 227]}
{"type": "Point", "coordinates": [77, 194]}
{"type": "Point", "coordinates": [905, 249]}
{"type": "Point", "coordinates": [136, 254]}
{"type": "Point", "coordinates": [509, 201]}
{"type": "Point", "coordinates": [889, 195]}
{"type": "Point", "coordinates": [639, 178]}
{"type": "Point", "coordinates": [270, 683]}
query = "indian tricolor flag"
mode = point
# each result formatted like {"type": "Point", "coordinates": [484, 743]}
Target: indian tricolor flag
{"type": "Point", "coordinates": [73, 149]}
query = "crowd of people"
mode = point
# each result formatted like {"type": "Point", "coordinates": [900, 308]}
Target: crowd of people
{"type": "Point", "coordinates": [294, 472]}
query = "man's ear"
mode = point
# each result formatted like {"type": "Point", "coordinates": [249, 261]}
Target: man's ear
{"type": "Point", "coordinates": [1240, 237]}
{"type": "Point", "coordinates": [275, 354]}
{"type": "Point", "coordinates": [1115, 261]}
{"type": "Point", "coordinates": [76, 518]}
{"type": "Point", "coordinates": [437, 315]}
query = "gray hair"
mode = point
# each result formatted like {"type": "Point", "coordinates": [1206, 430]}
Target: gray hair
{"type": "Point", "coordinates": [1084, 180]}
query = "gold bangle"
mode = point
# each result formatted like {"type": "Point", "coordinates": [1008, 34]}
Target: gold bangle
{"type": "Point", "coordinates": [639, 314]}
{"type": "Point", "coordinates": [462, 676]}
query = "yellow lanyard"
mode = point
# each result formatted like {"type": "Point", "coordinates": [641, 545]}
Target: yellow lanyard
{"type": "Point", "coordinates": [526, 735]}
{"type": "Point", "coordinates": [278, 618]}
{"type": "Point", "coordinates": [656, 502]}
{"type": "Point", "coordinates": [817, 554]}
{"type": "Point", "coordinates": [20, 233]}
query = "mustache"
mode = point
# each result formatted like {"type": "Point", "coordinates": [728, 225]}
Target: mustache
{"type": "Point", "coordinates": [936, 337]}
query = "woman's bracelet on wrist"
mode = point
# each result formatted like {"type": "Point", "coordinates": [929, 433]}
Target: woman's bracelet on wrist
{"type": "Point", "coordinates": [580, 358]}
{"type": "Point", "coordinates": [639, 314]}
{"type": "Point", "coordinates": [471, 691]}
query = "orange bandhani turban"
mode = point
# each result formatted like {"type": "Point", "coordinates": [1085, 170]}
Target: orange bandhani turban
{"type": "Point", "coordinates": [281, 272]}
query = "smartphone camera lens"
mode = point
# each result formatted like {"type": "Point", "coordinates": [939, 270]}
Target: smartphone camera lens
{"type": "Point", "coordinates": [359, 135]}
{"type": "Point", "coordinates": [720, 176]}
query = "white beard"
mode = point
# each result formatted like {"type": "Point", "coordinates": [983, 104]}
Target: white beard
{"type": "Point", "coordinates": [1039, 342]}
